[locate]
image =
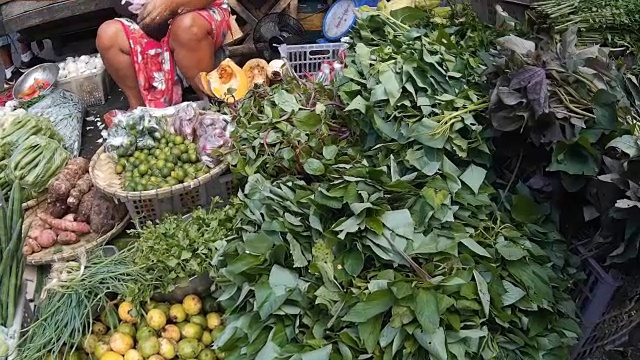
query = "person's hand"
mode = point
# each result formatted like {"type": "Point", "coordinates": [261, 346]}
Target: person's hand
{"type": "Point", "coordinates": [156, 12]}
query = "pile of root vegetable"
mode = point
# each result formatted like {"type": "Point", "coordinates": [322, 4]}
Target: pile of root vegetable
{"type": "Point", "coordinates": [72, 209]}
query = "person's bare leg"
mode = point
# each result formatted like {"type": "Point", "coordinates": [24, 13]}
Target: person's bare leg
{"type": "Point", "coordinates": [193, 47]}
{"type": "Point", "coordinates": [115, 51]}
{"type": "Point", "coordinates": [5, 56]}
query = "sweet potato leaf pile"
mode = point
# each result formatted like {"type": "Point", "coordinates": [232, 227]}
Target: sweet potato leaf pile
{"type": "Point", "coordinates": [576, 111]}
{"type": "Point", "coordinates": [369, 226]}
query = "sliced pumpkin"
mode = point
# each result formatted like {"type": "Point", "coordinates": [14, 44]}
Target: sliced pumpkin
{"type": "Point", "coordinates": [257, 71]}
{"type": "Point", "coordinates": [227, 77]}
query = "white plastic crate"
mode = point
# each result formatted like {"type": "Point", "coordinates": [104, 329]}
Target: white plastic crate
{"type": "Point", "coordinates": [92, 89]}
{"type": "Point", "coordinates": [307, 59]}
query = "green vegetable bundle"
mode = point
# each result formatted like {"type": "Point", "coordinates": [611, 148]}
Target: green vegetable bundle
{"type": "Point", "coordinates": [74, 291]}
{"type": "Point", "coordinates": [175, 250]}
{"type": "Point", "coordinates": [26, 126]}
{"type": "Point", "coordinates": [610, 22]}
{"type": "Point", "coordinates": [36, 162]}
{"type": "Point", "coordinates": [11, 259]}
{"type": "Point", "coordinates": [391, 243]}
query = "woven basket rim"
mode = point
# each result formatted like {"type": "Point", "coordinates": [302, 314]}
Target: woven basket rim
{"type": "Point", "coordinates": [71, 254]}
{"type": "Point", "coordinates": [159, 193]}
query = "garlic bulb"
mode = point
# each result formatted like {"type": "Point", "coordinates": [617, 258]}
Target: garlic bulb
{"type": "Point", "coordinates": [275, 69]}
{"type": "Point", "coordinates": [84, 59]}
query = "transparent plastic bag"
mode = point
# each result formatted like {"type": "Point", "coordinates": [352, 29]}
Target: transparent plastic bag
{"type": "Point", "coordinates": [210, 121]}
{"type": "Point", "coordinates": [185, 120]}
{"type": "Point", "coordinates": [213, 132]}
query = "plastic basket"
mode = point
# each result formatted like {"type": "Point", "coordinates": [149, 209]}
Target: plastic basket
{"type": "Point", "coordinates": [150, 206]}
{"type": "Point", "coordinates": [92, 89]}
{"type": "Point", "coordinates": [593, 297]}
{"type": "Point", "coordinates": [307, 59]}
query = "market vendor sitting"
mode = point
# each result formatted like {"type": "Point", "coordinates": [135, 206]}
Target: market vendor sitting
{"type": "Point", "coordinates": [156, 39]}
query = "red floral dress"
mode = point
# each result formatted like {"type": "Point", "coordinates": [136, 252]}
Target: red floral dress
{"type": "Point", "coordinates": [153, 61]}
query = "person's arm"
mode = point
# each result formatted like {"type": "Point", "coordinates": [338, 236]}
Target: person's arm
{"type": "Point", "coordinates": [157, 11]}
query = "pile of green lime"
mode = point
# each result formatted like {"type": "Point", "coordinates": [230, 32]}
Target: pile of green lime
{"type": "Point", "coordinates": [173, 161]}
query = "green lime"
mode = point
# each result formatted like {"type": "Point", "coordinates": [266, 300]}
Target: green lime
{"type": "Point", "coordinates": [140, 187]}
{"type": "Point", "coordinates": [161, 163]}
{"type": "Point", "coordinates": [163, 141]}
{"type": "Point", "coordinates": [119, 169]}
{"type": "Point", "coordinates": [136, 154]}
{"type": "Point", "coordinates": [146, 151]}
{"type": "Point", "coordinates": [165, 172]}
{"type": "Point", "coordinates": [179, 174]}
{"type": "Point", "coordinates": [161, 156]}
{"type": "Point", "coordinates": [136, 173]}
{"type": "Point", "coordinates": [130, 187]}
{"type": "Point", "coordinates": [170, 166]}
{"type": "Point", "coordinates": [202, 173]}
{"type": "Point", "coordinates": [157, 152]}
{"type": "Point", "coordinates": [143, 169]}
{"type": "Point", "coordinates": [135, 163]}
{"type": "Point", "coordinates": [173, 181]}
{"type": "Point", "coordinates": [172, 159]}
{"type": "Point", "coordinates": [193, 157]}
{"type": "Point", "coordinates": [176, 151]}
{"type": "Point", "coordinates": [188, 179]}
{"type": "Point", "coordinates": [178, 140]}
{"type": "Point", "coordinates": [184, 157]}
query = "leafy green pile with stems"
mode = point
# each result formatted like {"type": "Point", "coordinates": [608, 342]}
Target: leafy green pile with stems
{"type": "Point", "coordinates": [610, 22]}
{"type": "Point", "coordinates": [392, 244]}
{"type": "Point", "coordinates": [74, 293]}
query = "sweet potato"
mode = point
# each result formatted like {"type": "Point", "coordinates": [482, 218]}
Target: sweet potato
{"type": "Point", "coordinates": [68, 238]}
{"type": "Point", "coordinates": [77, 227]}
{"type": "Point", "coordinates": [36, 227]}
{"type": "Point", "coordinates": [105, 214]}
{"type": "Point", "coordinates": [84, 210]}
{"type": "Point", "coordinates": [46, 238]}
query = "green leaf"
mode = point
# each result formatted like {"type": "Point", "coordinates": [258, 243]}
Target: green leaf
{"type": "Point", "coordinates": [424, 159]}
{"type": "Point", "coordinates": [434, 197]}
{"type": "Point", "coordinates": [286, 101]}
{"type": "Point", "coordinates": [369, 332]}
{"type": "Point", "coordinates": [319, 354]}
{"type": "Point", "coordinates": [426, 309]}
{"type": "Point", "coordinates": [374, 304]}
{"type": "Point", "coordinates": [359, 104]}
{"type": "Point", "coordinates": [435, 343]}
{"type": "Point", "coordinates": [390, 82]}
{"type": "Point", "coordinates": [269, 351]}
{"type": "Point", "coordinates": [314, 167]}
{"type": "Point", "coordinates": [475, 247]}
{"type": "Point", "coordinates": [483, 291]}
{"type": "Point", "coordinates": [605, 109]}
{"type": "Point", "coordinates": [626, 143]}
{"type": "Point", "coordinates": [525, 209]}
{"type": "Point", "coordinates": [354, 262]}
{"type": "Point", "coordinates": [307, 120]}
{"type": "Point", "coordinates": [257, 243]}
{"type": "Point", "coordinates": [282, 280]}
{"type": "Point", "coordinates": [399, 221]}
{"type": "Point", "coordinates": [243, 263]}
{"type": "Point", "coordinates": [510, 251]}
{"type": "Point", "coordinates": [329, 152]}
{"type": "Point", "coordinates": [474, 177]}
{"type": "Point", "coordinates": [299, 260]}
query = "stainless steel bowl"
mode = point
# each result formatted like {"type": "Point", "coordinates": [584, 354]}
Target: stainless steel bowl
{"type": "Point", "coordinates": [47, 72]}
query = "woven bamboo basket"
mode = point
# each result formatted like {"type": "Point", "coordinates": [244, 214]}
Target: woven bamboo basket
{"type": "Point", "coordinates": [150, 206]}
{"type": "Point", "coordinates": [61, 253]}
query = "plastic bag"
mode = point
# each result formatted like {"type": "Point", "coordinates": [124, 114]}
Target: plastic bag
{"type": "Point", "coordinates": [213, 132]}
{"type": "Point", "coordinates": [185, 119]}
{"type": "Point", "coordinates": [120, 142]}
{"type": "Point", "coordinates": [131, 130]}
{"type": "Point", "coordinates": [66, 112]}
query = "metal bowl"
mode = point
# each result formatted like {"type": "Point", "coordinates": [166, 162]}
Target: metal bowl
{"type": "Point", "coordinates": [46, 72]}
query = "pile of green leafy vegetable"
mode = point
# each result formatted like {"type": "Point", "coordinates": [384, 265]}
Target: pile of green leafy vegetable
{"type": "Point", "coordinates": [567, 114]}
{"type": "Point", "coordinates": [392, 244]}
{"type": "Point", "coordinates": [609, 22]}
{"type": "Point", "coordinates": [176, 249]}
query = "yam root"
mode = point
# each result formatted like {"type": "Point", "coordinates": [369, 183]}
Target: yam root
{"type": "Point", "coordinates": [35, 247]}
{"type": "Point", "coordinates": [68, 238]}
{"type": "Point", "coordinates": [75, 196]}
{"type": "Point", "coordinates": [46, 238]}
{"type": "Point", "coordinates": [65, 181]}
{"type": "Point", "coordinates": [84, 210]}
{"type": "Point", "coordinates": [77, 227]}
{"type": "Point", "coordinates": [57, 209]}
{"type": "Point", "coordinates": [105, 214]}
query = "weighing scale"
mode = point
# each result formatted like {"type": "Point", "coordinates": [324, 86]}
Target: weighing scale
{"type": "Point", "coordinates": [339, 20]}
